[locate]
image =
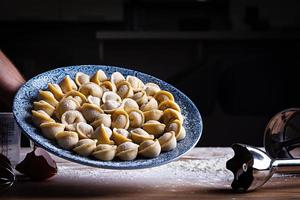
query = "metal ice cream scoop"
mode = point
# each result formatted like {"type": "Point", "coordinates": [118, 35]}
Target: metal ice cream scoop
{"type": "Point", "coordinates": [252, 167]}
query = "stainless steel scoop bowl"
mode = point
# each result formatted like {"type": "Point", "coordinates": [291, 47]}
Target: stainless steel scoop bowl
{"type": "Point", "coordinates": [282, 134]}
{"type": "Point", "coordinates": [252, 167]}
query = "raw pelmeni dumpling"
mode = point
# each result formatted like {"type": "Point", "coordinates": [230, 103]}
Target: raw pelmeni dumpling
{"type": "Point", "coordinates": [150, 105]}
{"type": "Point", "coordinates": [77, 96]}
{"type": "Point", "coordinates": [135, 83]}
{"type": "Point", "coordinates": [105, 152]}
{"type": "Point", "coordinates": [65, 105]}
{"type": "Point", "coordinates": [94, 100]}
{"type": "Point", "coordinates": [151, 89]}
{"type": "Point", "coordinates": [136, 118]}
{"type": "Point", "coordinates": [149, 148]}
{"type": "Point", "coordinates": [154, 127]}
{"type": "Point", "coordinates": [168, 104]}
{"type": "Point", "coordinates": [81, 78]}
{"type": "Point", "coordinates": [67, 84]}
{"type": "Point", "coordinates": [56, 91]}
{"type": "Point", "coordinates": [170, 114]}
{"type": "Point", "coordinates": [71, 118]}
{"type": "Point", "coordinates": [140, 97]}
{"type": "Point", "coordinates": [127, 151]}
{"type": "Point", "coordinates": [168, 141]}
{"type": "Point", "coordinates": [124, 89]}
{"type": "Point", "coordinates": [67, 139]}
{"type": "Point", "coordinates": [40, 116]}
{"type": "Point", "coordinates": [84, 130]}
{"type": "Point", "coordinates": [103, 135]}
{"type": "Point", "coordinates": [45, 106]}
{"type": "Point", "coordinates": [110, 106]}
{"type": "Point", "coordinates": [50, 129]}
{"type": "Point", "coordinates": [85, 147]}
{"type": "Point", "coordinates": [108, 86]}
{"type": "Point", "coordinates": [163, 95]}
{"type": "Point", "coordinates": [91, 89]}
{"type": "Point", "coordinates": [177, 127]}
{"type": "Point", "coordinates": [111, 96]}
{"type": "Point", "coordinates": [116, 77]}
{"type": "Point", "coordinates": [99, 77]}
{"type": "Point", "coordinates": [139, 135]}
{"type": "Point", "coordinates": [120, 119]}
{"type": "Point", "coordinates": [104, 119]}
{"type": "Point", "coordinates": [91, 112]}
{"type": "Point", "coordinates": [122, 131]}
{"type": "Point", "coordinates": [129, 104]}
{"type": "Point", "coordinates": [153, 115]}
{"type": "Point", "coordinates": [48, 97]}
{"type": "Point", "coordinates": [120, 136]}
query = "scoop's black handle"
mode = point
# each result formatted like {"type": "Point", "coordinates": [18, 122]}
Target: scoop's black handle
{"type": "Point", "coordinates": [241, 167]}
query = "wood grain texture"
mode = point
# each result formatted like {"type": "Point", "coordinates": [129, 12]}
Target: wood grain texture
{"type": "Point", "coordinates": [201, 174]}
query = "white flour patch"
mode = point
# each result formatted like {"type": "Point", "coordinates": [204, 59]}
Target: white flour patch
{"type": "Point", "coordinates": [186, 172]}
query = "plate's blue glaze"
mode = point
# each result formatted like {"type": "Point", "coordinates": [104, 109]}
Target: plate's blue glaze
{"type": "Point", "coordinates": [28, 93]}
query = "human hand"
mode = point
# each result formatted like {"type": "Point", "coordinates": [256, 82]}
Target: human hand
{"type": "Point", "coordinates": [10, 81]}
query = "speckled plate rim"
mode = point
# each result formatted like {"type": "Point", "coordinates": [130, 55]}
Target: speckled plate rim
{"type": "Point", "coordinates": [22, 115]}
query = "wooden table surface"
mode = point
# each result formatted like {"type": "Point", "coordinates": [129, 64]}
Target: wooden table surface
{"type": "Point", "coordinates": [201, 174]}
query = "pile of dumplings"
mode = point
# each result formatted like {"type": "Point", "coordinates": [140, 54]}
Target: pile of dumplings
{"type": "Point", "coordinates": [107, 117]}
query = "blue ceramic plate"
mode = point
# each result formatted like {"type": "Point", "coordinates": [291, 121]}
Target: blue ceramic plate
{"type": "Point", "coordinates": [28, 93]}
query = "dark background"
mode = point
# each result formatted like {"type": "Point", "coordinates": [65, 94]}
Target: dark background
{"type": "Point", "coordinates": [236, 59]}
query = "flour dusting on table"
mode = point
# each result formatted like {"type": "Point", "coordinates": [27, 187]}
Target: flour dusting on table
{"type": "Point", "coordinates": [202, 170]}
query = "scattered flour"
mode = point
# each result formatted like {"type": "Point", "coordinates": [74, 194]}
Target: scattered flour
{"type": "Point", "coordinates": [207, 172]}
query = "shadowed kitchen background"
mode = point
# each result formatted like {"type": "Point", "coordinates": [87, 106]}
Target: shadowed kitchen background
{"type": "Point", "coordinates": [236, 59]}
